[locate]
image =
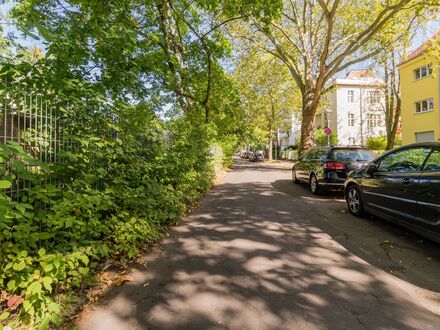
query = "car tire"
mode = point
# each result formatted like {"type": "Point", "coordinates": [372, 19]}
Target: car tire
{"type": "Point", "coordinates": [294, 178]}
{"type": "Point", "coordinates": [354, 200]}
{"type": "Point", "coordinates": [315, 189]}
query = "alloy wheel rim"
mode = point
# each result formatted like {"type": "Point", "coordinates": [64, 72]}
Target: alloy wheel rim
{"type": "Point", "coordinates": [313, 184]}
{"type": "Point", "coordinates": [353, 200]}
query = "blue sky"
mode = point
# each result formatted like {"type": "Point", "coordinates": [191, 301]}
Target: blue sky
{"type": "Point", "coordinates": [9, 28]}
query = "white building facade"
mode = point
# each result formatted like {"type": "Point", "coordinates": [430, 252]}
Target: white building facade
{"type": "Point", "coordinates": [291, 137]}
{"type": "Point", "coordinates": [357, 108]}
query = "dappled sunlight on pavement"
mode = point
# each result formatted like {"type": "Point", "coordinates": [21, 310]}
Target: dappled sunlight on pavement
{"type": "Point", "coordinates": [251, 257]}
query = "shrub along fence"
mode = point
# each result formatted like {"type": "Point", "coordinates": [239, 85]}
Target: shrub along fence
{"type": "Point", "coordinates": [72, 194]}
{"type": "Point", "coordinates": [289, 154]}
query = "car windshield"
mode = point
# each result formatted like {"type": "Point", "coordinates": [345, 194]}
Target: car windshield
{"type": "Point", "coordinates": [352, 154]}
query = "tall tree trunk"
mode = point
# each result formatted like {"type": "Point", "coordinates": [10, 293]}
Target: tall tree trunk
{"type": "Point", "coordinates": [394, 104]}
{"type": "Point", "coordinates": [269, 156]}
{"type": "Point", "coordinates": [389, 104]}
{"type": "Point", "coordinates": [310, 105]}
{"type": "Point", "coordinates": [270, 142]}
{"type": "Point", "coordinates": [392, 138]}
{"type": "Point", "coordinates": [175, 54]}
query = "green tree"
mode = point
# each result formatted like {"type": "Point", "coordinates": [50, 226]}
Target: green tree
{"type": "Point", "coordinates": [388, 60]}
{"type": "Point", "coordinates": [317, 39]}
{"type": "Point", "coordinates": [269, 95]}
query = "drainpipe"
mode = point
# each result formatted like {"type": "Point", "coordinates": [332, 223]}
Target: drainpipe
{"type": "Point", "coordinates": [438, 95]}
{"type": "Point", "coordinates": [360, 112]}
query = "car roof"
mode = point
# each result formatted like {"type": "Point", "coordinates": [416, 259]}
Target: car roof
{"type": "Point", "coordinates": [349, 147]}
{"type": "Point", "coordinates": [414, 145]}
{"type": "Point", "coordinates": [421, 144]}
{"type": "Point", "coordinates": [341, 147]}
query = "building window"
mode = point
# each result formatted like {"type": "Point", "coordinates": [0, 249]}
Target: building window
{"type": "Point", "coordinates": [373, 97]}
{"type": "Point", "coordinates": [351, 119]}
{"type": "Point", "coordinates": [351, 141]}
{"type": "Point", "coordinates": [423, 71]}
{"type": "Point", "coordinates": [351, 96]}
{"type": "Point", "coordinates": [425, 105]}
{"type": "Point", "coordinates": [374, 120]}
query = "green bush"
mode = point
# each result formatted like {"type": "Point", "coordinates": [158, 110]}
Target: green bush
{"type": "Point", "coordinates": [377, 143]}
{"type": "Point", "coordinates": [295, 147]}
{"type": "Point", "coordinates": [115, 196]}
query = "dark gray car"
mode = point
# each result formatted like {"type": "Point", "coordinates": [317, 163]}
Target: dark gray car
{"type": "Point", "coordinates": [327, 167]}
{"type": "Point", "coordinates": [402, 186]}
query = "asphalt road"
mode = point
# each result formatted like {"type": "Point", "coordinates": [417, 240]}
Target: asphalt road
{"type": "Point", "coordinates": [263, 253]}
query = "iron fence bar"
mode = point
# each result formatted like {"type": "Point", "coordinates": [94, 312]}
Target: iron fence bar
{"type": "Point", "coordinates": [5, 111]}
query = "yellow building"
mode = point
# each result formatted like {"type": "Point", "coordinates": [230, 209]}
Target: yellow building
{"type": "Point", "coordinates": [420, 95]}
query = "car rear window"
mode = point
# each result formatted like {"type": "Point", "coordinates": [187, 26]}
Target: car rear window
{"type": "Point", "coordinates": [352, 154]}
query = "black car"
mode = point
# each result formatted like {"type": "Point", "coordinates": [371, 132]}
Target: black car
{"type": "Point", "coordinates": [327, 167]}
{"type": "Point", "coordinates": [402, 186]}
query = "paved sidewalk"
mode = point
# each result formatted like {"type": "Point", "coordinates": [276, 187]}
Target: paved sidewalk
{"type": "Point", "coordinates": [252, 257]}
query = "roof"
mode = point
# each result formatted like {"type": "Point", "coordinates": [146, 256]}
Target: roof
{"type": "Point", "coordinates": [421, 49]}
{"type": "Point", "coordinates": [357, 82]}
{"type": "Point", "coordinates": [362, 73]}
{"type": "Point", "coordinates": [358, 77]}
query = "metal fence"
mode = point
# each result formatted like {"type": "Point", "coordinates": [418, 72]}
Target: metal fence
{"type": "Point", "coordinates": [30, 118]}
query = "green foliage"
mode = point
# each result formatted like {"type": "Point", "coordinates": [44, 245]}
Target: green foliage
{"type": "Point", "coordinates": [377, 143]}
{"type": "Point", "coordinates": [322, 140]}
{"type": "Point", "coordinates": [126, 174]}
{"type": "Point", "coordinates": [288, 148]}
{"type": "Point", "coordinates": [117, 196]}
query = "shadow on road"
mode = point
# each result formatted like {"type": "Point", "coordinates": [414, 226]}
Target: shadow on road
{"type": "Point", "coordinates": [250, 258]}
{"type": "Point", "coordinates": [380, 243]}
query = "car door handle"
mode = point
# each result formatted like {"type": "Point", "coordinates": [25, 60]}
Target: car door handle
{"type": "Point", "coordinates": [407, 181]}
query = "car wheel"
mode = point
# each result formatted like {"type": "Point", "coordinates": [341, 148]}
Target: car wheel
{"type": "Point", "coordinates": [314, 185]}
{"type": "Point", "coordinates": [294, 178]}
{"type": "Point", "coordinates": [354, 201]}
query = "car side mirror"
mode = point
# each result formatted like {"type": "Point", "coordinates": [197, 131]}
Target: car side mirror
{"type": "Point", "coordinates": [371, 169]}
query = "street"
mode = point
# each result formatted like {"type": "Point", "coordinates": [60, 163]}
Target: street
{"type": "Point", "coordinates": [263, 253]}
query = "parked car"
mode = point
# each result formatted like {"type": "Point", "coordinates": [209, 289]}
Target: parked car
{"type": "Point", "coordinates": [327, 167]}
{"type": "Point", "coordinates": [402, 186]}
{"type": "Point", "coordinates": [257, 156]}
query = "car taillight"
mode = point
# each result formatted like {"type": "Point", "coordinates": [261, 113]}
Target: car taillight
{"type": "Point", "coordinates": [335, 166]}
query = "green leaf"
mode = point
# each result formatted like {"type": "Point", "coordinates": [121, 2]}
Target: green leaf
{"type": "Point", "coordinates": [4, 316]}
{"type": "Point", "coordinates": [44, 235]}
{"type": "Point", "coordinates": [28, 308]}
{"type": "Point", "coordinates": [16, 146]}
{"type": "Point", "coordinates": [34, 288]}
{"type": "Point", "coordinates": [47, 281]}
{"type": "Point", "coordinates": [53, 308]}
{"type": "Point", "coordinates": [11, 285]}
{"type": "Point", "coordinates": [41, 252]}
{"type": "Point", "coordinates": [30, 34]}
{"type": "Point", "coordinates": [44, 324]}
{"type": "Point", "coordinates": [20, 266]}
{"type": "Point", "coordinates": [47, 267]}
{"type": "Point", "coordinates": [4, 184]}
{"type": "Point", "coordinates": [84, 259]}
{"type": "Point", "coordinates": [21, 208]}
{"type": "Point", "coordinates": [83, 271]}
